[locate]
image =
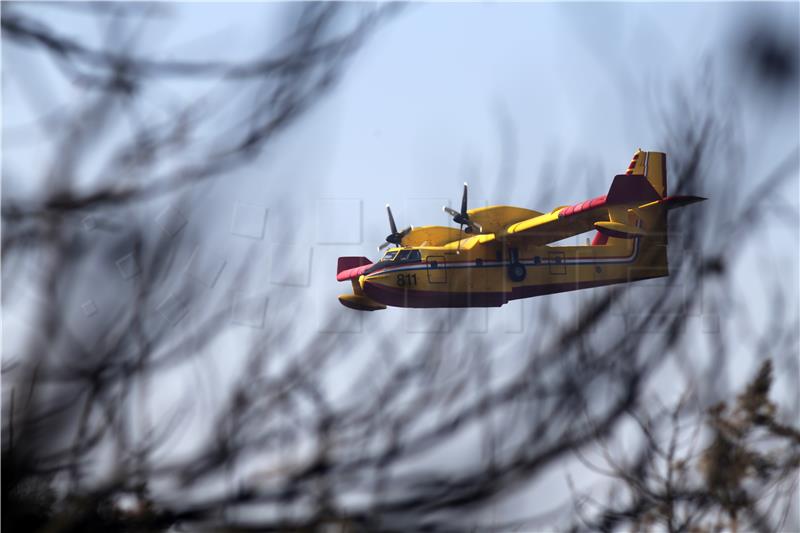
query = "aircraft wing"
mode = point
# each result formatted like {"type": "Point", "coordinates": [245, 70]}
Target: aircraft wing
{"type": "Point", "coordinates": [562, 223]}
{"type": "Point", "coordinates": [626, 191]}
{"type": "Point", "coordinates": [493, 220]}
{"type": "Point", "coordinates": [432, 236]}
{"type": "Point", "coordinates": [539, 230]}
{"type": "Point", "coordinates": [496, 218]}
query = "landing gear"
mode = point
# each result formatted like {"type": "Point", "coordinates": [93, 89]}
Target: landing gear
{"type": "Point", "coordinates": [516, 270]}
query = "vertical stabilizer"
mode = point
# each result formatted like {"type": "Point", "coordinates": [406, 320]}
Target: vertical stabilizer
{"type": "Point", "coordinates": [653, 165]}
{"type": "Point", "coordinates": [652, 259]}
{"type": "Point", "coordinates": [656, 171]}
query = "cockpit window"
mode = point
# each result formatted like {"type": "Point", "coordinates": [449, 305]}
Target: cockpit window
{"type": "Point", "coordinates": [389, 256]}
{"type": "Point", "coordinates": [408, 256]}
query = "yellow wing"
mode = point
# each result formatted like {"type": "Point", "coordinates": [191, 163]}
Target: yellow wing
{"type": "Point", "coordinates": [627, 191]}
{"type": "Point", "coordinates": [640, 190]}
{"type": "Point", "coordinates": [496, 218]}
{"type": "Point", "coordinates": [432, 236]}
{"type": "Point", "coordinates": [560, 224]}
{"type": "Point", "coordinates": [541, 229]}
{"type": "Point", "coordinates": [493, 219]}
{"type": "Point", "coordinates": [643, 183]}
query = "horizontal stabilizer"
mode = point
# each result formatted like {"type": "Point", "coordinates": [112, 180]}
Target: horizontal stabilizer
{"type": "Point", "coordinates": [619, 230]}
{"type": "Point", "coordinates": [671, 202]}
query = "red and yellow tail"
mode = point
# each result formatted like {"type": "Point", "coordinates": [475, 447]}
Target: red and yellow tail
{"type": "Point", "coordinates": [652, 216]}
{"type": "Point", "coordinates": [652, 165]}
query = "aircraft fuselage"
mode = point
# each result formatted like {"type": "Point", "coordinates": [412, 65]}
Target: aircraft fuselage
{"type": "Point", "coordinates": [444, 278]}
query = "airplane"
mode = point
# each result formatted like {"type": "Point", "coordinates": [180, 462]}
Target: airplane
{"type": "Point", "coordinates": [502, 253]}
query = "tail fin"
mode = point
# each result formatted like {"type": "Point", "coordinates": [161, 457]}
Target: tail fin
{"type": "Point", "coordinates": [653, 165]}
{"type": "Point", "coordinates": [652, 259]}
{"type": "Point", "coordinates": [627, 188]}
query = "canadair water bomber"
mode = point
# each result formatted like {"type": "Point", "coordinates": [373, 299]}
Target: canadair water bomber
{"type": "Point", "coordinates": [502, 253]}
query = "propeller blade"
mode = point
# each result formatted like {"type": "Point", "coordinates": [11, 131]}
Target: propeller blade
{"type": "Point", "coordinates": [391, 219]}
{"type": "Point", "coordinates": [462, 218]}
{"type": "Point", "coordinates": [450, 211]}
{"type": "Point", "coordinates": [383, 246]}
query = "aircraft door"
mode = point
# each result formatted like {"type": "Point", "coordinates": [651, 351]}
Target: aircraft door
{"type": "Point", "coordinates": [557, 262]}
{"type": "Point", "coordinates": [437, 271]}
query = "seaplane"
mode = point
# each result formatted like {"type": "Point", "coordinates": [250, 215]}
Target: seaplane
{"type": "Point", "coordinates": [502, 253]}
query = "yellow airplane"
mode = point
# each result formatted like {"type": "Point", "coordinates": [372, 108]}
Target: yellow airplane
{"type": "Point", "coordinates": [501, 253]}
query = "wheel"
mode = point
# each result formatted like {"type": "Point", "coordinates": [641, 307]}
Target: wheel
{"type": "Point", "coordinates": [516, 271]}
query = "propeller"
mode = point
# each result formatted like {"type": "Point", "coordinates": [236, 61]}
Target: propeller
{"type": "Point", "coordinates": [395, 237]}
{"type": "Point", "coordinates": [462, 218]}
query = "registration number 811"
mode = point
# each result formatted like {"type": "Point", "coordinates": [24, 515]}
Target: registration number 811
{"type": "Point", "coordinates": [406, 280]}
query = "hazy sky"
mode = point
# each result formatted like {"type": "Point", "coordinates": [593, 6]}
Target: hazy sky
{"type": "Point", "coordinates": [425, 106]}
